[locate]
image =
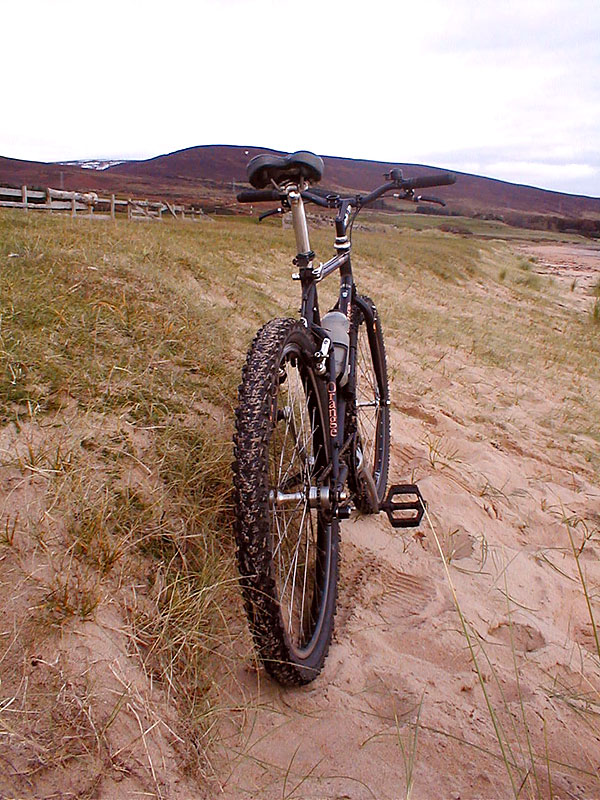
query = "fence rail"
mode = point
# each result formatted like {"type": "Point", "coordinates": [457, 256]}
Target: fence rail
{"type": "Point", "coordinates": [91, 205]}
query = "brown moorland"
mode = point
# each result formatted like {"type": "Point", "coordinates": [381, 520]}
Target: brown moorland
{"type": "Point", "coordinates": [209, 175]}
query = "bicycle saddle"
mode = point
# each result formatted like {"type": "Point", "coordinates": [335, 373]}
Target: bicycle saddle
{"type": "Point", "coordinates": [261, 170]}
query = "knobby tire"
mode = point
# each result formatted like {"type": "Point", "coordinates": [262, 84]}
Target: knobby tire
{"type": "Point", "coordinates": [288, 549]}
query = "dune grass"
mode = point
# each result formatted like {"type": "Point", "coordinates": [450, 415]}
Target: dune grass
{"type": "Point", "coordinates": [469, 226]}
{"type": "Point", "coordinates": [120, 351]}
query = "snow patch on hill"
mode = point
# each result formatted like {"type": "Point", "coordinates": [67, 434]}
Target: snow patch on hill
{"type": "Point", "coordinates": [93, 163]}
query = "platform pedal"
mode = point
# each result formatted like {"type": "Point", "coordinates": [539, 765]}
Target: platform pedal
{"type": "Point", "coordinates": [406, 512]}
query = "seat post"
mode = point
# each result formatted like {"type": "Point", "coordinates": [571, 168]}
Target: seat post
{"type": "Point", "coordinates": [299, 220]}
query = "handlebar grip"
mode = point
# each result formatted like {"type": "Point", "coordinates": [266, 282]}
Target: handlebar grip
{"type": "Point", "coordinates": [443, 179]}
{"type": "Point", "coordinates": [258, 196]}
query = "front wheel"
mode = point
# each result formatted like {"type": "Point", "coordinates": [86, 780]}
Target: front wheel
{"type": "Point", "coordinates": [287, 542]}
{"type": "Point", "coordinates": [370, 412]}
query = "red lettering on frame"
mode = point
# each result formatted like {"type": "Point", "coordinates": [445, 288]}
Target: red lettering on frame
{"type": "Point", "coordinates": [332, 406]}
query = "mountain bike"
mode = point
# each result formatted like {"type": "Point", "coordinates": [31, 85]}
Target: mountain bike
{"type": "Point", "coordinates": [312, 433]}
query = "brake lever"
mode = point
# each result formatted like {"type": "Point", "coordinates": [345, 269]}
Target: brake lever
{"type": "Point", "coordinates": [270, 213]}
{"type": "Point", "coordinates": [426, 199]}
{"type": "Point", "coordinates": [407, 194]}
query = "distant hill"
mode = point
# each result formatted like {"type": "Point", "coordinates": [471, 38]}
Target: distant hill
{"type": "Point", "coordinates": [227, 163]}
{"type": "Point", "coordinates": [211, 174]}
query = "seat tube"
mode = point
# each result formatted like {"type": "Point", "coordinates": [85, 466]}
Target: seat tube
{"type": "Point", "coordinates": [299, 221]}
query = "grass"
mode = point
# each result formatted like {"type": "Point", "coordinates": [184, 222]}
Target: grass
{"type": "Point", "coordinates": [118, 375]}
{"type": "Point", "coordinates": [120, 352]}
{"type": "Point", "coordinates": [487, 229]}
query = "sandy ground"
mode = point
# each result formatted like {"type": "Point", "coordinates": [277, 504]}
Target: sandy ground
{"type": "Point", "coordinates": [575, 267]}
{"type": "Point", "coordinates": [402, 706]}
{"type": "Point", "coordinates": [416, 699]}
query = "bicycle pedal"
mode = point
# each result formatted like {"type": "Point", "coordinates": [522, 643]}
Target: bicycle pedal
{"type": "Point", "coordinates": [407, 512]}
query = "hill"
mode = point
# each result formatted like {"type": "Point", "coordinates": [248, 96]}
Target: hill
{"type": "Point", "coordinates": [226, 164]}
{"type": "Point", "coordinates": [209, 175]}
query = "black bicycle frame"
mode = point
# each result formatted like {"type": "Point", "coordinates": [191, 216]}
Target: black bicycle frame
{"type": "Point", "coordinates": [291, 198]}
{"type": "Point", "coordinates": [347, 301]}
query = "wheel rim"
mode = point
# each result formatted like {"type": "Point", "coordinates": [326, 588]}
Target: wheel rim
{"type": "Point", "coordinates": [299, 534]}
{"type": "Point", "coordinates": [368, 405]}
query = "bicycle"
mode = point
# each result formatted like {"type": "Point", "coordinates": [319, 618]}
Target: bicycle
{"type": "Point", "coordinates": [312, 430]}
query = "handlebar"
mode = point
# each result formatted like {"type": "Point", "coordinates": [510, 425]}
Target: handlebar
{"type": "Point", "coordinates": [330, 201]}
{"type": "Point", "coordinates": [258, 195]}
{"type": "Point", "coordinates": [334, 200]}
{"type": "Point", "coordinates": [265, 195]}
{"type": "Point", "coordinates": [426, 181]}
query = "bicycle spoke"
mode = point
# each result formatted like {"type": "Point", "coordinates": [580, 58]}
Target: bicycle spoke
{"type": "Point", "coordinates": [297, 449]}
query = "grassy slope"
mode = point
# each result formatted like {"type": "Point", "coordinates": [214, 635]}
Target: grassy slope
{"type": "Point", "coordinates": [489, 229]}
{"type": "Point", "coordinates": [121, 347]}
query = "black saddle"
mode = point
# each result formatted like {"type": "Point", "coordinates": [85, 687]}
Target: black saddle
{"type": "Point", "coordinates": [302, 165]}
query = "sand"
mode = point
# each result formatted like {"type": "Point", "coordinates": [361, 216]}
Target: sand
{"type": "Point", "coordinates": [442, 670]}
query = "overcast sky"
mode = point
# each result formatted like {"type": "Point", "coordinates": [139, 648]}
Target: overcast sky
{"type": "Point", "coordinates": [508, 89]}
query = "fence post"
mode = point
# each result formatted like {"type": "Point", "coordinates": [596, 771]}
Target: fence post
{"type": "Point", "coordinates": [73, 206]}
{"type": "Point", "coordinates": [112, 206]}
{"type": "Point", "coordinates": [48, 198]}
{"type": "Point", "coordinates": [24, 196]}
{"type": "Point", "coordinates": [129, 209]}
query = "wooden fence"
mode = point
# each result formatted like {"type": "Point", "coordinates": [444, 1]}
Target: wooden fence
{"type": "Point", "coordinates": [91, 205]}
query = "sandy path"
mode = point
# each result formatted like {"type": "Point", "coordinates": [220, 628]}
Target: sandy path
{"type": "Point", "coordinates": [400, 699]}
{"type": "Point", "coordinates": [575, 267]}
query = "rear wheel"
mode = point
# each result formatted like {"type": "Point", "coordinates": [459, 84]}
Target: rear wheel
{"type": "Point", "coordinates": [370, 414]}
{"type": "Point", "coordinates": [287, 542]}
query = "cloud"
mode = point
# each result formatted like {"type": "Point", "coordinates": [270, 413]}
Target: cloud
{"type": "Point", "coordinates": [579, 177]}
{"type": "Point", "coordinates": [540, 169]}
{"type": "Point", "coordinates": [429, 82]}
{"type": "Point", "coordinates": [527, 25]}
